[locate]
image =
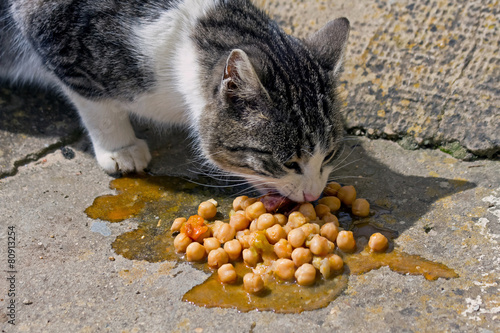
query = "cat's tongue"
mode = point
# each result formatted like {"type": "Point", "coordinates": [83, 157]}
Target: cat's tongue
{"type": "Point", "coordinates": [276, 203]}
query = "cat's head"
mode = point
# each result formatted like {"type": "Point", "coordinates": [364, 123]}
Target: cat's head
{"type": "Point", "coordinates": [275, 117]}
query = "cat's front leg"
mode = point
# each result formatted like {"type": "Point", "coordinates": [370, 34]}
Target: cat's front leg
{"type": "Point", "coordinates": [116, 147]}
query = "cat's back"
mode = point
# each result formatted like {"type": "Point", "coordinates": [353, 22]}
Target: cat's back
{"type": "Point", "coordinates": [88, 44]}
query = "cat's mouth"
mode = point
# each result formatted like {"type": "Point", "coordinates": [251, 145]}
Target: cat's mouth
{"type": "Point", "coordinates": [275, 203]}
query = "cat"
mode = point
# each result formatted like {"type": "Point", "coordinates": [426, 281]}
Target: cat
{"type": "Point", "coordinates": [261, 104]}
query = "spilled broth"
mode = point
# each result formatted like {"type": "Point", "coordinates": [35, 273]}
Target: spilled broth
{"type": "Point", "coordinates": [156, 201]}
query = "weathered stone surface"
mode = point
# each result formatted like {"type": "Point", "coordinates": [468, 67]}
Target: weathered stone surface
{"type": "Point", "coordinates": [32, 122]}
{"type": "Point", "coordinates": [426, 69]}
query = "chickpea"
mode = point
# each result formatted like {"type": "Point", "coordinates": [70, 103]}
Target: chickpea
{"type": "Point", "coordinates": [265, 221]}
{"type": "Point", "coordinates": [255, 210]}
{"type": "Point", "coordinates": [284, 269]}
{"type": "Point", "coordinates": [331, 218]}
{"type": "Point", "coordinates": [301, 256]}
{"type": "Point", "coordinates": [347, 194]}
{"type": "Point", "coordinates": [253, 283]}
{"type": "Point", "coordinates": [210, 244]}
{"type": "Point", "coordinates": [225, 233]}
{"type": "Point", "coordinates": [245, 203]}
{"type": "Point", "coordinates": [296, 237]}
{"type": "Point", "coordinates": [237, 202]}
{"type": "Point", "coordinates": [360, 207]}
{"type": "Point", "coordinates": [307, 209]}
{"type": "Point", "coordinates": [177, 224]}
{"type": "Point", "coordinates": [195, 252]}
{"type": "Point", "coordinates": [233, 249]}
{"type": "Point", "coordinates": [305, 275]}
{"type": "Point", "coordinates": [215, 227]}
{"type": "Point", "coordinates": [378, 242]}
{"type": "Point", "coordinates": [332, 188]}
{"type": "Point", "coordinates": [253, 226]}
{"type": "Point", "coordinates": [310, 229]}
{"type": "Point", "coordinates": [280, 219]}
{"type": "Point", "coordinates": [207, 210]}
{"type": "Point", "coordinates": [296, 219]}
{"type": "Point", "coordinates": [345, 241]}
{"type": "Point", "coordinates": [204, 235]}
{"type": "Point", "coordinates": [322, 210]}
{"type": "Point", "coordinates": [336, 262]}
{"type": "Point", "coordinates": [217, 258]}
{"type": "Point", "coordinates": [181, 242]}
{"type": "Point", "coordinates": [239, 221]}
{"type": "Point", "coordinates": [283, 249]}
{"type": "Point", "coordinates": [227, 273]}
{"type": "Point", "coordinates": [251, 257]}
{"type": "Point", "coordinates": [323, 265]}
{"type": "Point", "coordinates": [242, 237]}
{"type": "Point", "coordinates": [332, 202]}
{"type": "Point", "coordinates": [330, 231]}
{"type": "Point", "coordinates": [319, 245]}
{"type": "Point", "coordinates": [275, 233]}
{"type": "Point", "coordinates": [287, 228]}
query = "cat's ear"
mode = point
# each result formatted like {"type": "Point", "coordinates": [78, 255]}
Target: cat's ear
{"type": "Point", "coordinates": [240, 79]}
{"type": "Point", "coordinates": [330, 42]}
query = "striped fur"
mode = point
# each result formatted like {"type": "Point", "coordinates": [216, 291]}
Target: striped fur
{"type": "Point", "coordinates": [262, 104]}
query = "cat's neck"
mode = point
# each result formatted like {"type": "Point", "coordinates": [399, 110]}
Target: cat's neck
{"type": "Point", "coordinates": [167, 42]}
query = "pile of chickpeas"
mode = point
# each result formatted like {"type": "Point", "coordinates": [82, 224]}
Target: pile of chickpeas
{"type": "Point", "coordinates": [297, 247]}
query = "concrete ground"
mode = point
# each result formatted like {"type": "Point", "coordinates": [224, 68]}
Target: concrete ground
{"type": "Point", "coordinates": [445, 209]}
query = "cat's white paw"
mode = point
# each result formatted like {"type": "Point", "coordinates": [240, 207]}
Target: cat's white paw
{"type": "Point", "coordinates": [131, 158]}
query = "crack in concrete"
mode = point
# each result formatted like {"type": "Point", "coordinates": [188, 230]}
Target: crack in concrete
{"type": "Point", "coordinates": [32, 157]}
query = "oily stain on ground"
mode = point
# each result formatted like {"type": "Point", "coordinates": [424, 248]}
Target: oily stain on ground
{"type": "Point", "coordinates": [157, 201]}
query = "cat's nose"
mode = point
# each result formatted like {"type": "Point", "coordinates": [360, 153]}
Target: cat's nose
{"type": "Point", "coordinates": [311, 197]}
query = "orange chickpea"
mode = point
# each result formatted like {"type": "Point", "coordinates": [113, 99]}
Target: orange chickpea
{"type": "Point", "coordinates": [181, 242]}
{"type": "Point", "coordinates": [322, 210]}
{"type": "Point", "coordinates": [177, 224]}
{"type": "Point", "coordinates": [244, 204]}
{"type": "Point", "coordinates": [331, 202]}
{"type": "Point", "coordinates": [361, 207]}
{"type": "Point", "coordinates": [330, 231]}
{"type": "Point", "coordinates": [275, 233]}
{"type": "Point", "coordinates": [296, 219]}
{"type": "Point", "coordinates": [332, 188]}
{"type": "Point", "coordinates": [217, 258]}
{"type": "Point", "coordinates": [301, 256]}
{"type": "Point", "coordinates": [255, 210]}
{"type": "Point", "coordinates": [347, 194]}
{"type": "Point", "coordinates": [253, 283]}
{"type": "Point", "coordinates": [265, 221]}
{"type": "Point", "coordinates": [283, 249]}
{"type": "Point", "coordinates": [233, 249]}
{"type": "Point", "coordinates": [227, 273]}
{"type": "Point", "coordinates": [336, 262]}
{"type": "Point", "coordinates": [345, 241]}
{"type": "Point", "coordinates": [307, 209]}
{"type": "Point", "coordinates": [195, 252]}
{"type": "Point", "coordinates": [239, 221]}
{"type": "Point", "coordinates": [210, 244]}
{"type": "Point", "coordinates": [237, 202]}
{"type": "Point", "coordinates": [378, 242]}
{"type": "Point", "coordinates": [225, 233]}
{"type": "Point", "coordinates": [305, 275]}
{"type": "Point", "coordinates": [242, 237]}
{"type": "Point", "coordinates": [319, 245]}
{"type": "Point", "coordinates": [207, 210]}
{"type": "Point", "coordinates": [310, 229]}
{"type": "Point", "coordinates": [253, 226]}
{"type": "Point", "coordinates": [251, 257]}
{"type": "Point", "coordinates": [284, 269]}
{"type": "Point", "coordinates": [280, 219]}
{"type": "Point", "coordinates": [296, 237]}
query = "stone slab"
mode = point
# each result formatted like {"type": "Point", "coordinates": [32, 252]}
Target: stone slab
{"type": "Point", "coordinates": [428, 70]}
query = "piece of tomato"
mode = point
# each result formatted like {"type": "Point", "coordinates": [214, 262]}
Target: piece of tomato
{"type": "Point", "coordinates": [194, 227]}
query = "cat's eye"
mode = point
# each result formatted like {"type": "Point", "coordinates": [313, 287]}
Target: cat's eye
{"type": "Point", "coordinates": [293, 166]}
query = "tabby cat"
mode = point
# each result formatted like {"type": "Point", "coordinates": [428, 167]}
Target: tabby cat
{"type": "Point", "coordinates": [262, 104]}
